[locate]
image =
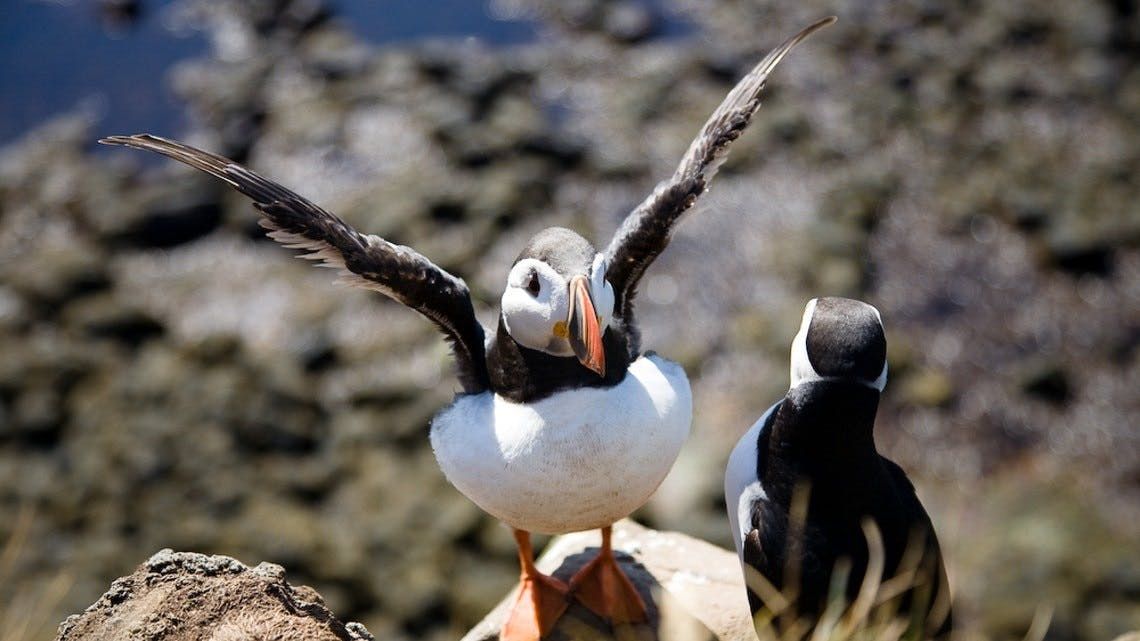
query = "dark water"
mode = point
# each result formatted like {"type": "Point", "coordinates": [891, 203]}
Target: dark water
{"type": "Point", "coordinates": [57, 56]}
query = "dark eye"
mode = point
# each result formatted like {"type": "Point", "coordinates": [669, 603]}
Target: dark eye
{"type": "Point", "coordinates": [532, 285]}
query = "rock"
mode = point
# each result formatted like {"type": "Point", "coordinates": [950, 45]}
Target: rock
{"type": "Point", "coordinates": [119, 14]}
{"type": "Point", "coordinates": [1047, 381]}
{"type": "Point", "coordinates": [694, 590]}
{"type": "Point", "coordinates": [60, 271]}
{"type": "Point", "coordinates": [104, 316]}
{"type": "Point", "coordinates": [630, 22]}
{"type": "Point", "coordinates": [171, 215]}
{"type": "Point", "coordinates": [928, 388]}
{"type": "Point", "coordinates": [184, 596]}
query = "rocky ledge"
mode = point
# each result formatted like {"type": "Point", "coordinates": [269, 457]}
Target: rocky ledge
{"type": "Point", "coordinates": [693, 589]}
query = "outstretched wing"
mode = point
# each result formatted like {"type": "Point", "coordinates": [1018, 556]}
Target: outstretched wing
{"type": "Point", "coordinates": [645, 232]}
{"type": "Point", "coordinates": [363, 260]}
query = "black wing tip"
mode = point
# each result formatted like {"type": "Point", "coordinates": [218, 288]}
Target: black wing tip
{"type": "Point", "coordinates": [131, 140]}
{"type": "Point", "coordinates": [119, 139]}
{"type": "Point", "coordinates": [815, 26]}
{"type": "Point", "coordinates": [768, 63]}
{"type": "Point", "coordinates": [807, 31]}
{"type": "Point", "coordinates": [116, 140]}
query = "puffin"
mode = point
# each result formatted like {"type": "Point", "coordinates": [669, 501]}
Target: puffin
{"type": "Point", "coordinates": [562, 423]}
{"type": "Point", "coordinates": [805, 481]}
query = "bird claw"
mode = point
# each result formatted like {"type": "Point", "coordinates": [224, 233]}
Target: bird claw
{"type": "Point", "coordinates": [541, 601]}
{"type": "Point", "coordinates": [604, 589]}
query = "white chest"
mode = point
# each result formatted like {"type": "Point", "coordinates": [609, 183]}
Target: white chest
{"type": "Point", "coordinates": [573, 461]}
{"type": "Point", "coordinates": [742, 485]}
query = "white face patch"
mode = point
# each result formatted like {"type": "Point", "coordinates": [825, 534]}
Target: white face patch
{"type": "Point", "coordinates": [801, 367]}
{"type": "Point", "coordinates": [531, 316]}
{"type": "Point", "coordinates": [536, 299]}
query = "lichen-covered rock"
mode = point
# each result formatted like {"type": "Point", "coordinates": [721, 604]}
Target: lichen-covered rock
{"type": "Point", "coordinates": [183, 596]}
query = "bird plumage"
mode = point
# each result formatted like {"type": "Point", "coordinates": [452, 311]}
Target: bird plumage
{"type": "Point", "coordinates": [410, 278]}
{"type": "Point", "coordinates": [819, 440]}
{"type": "Point", "coordinates": [363, 260]}
{"type": "Point", "coordinates": [567, 462]}
{"type": "Point", "coordinates": [645, 233]}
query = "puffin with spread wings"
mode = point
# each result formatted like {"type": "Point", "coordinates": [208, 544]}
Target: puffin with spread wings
{"type": "Point", "coordinates": [563, 424]}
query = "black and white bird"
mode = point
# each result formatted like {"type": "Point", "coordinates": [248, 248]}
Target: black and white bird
{"type": "Point", "coordinates": [563, 424]}
{"type": "Point", "coordinates": [819, 439]}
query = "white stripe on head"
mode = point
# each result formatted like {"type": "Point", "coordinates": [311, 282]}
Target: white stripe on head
{"type": "Point", "coordinates": [802, 371]}
{"type": "Point", "coordinates": [601, 291]}
{"type": "Point", "coordinates": [881, 382]}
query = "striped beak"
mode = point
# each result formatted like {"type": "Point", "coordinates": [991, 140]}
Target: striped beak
{"type": "Point", "coordinates": [585, 331]}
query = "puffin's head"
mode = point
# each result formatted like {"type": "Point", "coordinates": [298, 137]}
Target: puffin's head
{"type": "Point", "coordinates": [840, 339]}
{"type": "Point", "coordinates": [557, 299]}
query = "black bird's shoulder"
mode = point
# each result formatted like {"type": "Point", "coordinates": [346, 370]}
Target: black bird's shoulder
{"type": "Point", "coordinates": [898, 476]}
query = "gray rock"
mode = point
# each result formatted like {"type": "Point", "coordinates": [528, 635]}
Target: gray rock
{"type": "Point", "coordinates": [693, 590]}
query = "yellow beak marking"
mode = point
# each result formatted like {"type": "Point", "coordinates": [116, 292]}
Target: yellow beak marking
{"type": "Point", "coordinates": [561, 330]}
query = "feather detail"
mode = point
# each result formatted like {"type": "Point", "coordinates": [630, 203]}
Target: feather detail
{"type": "Point", "coordinates": [645, 233]}
{"type": "Point", "coordinates": [361, 260]}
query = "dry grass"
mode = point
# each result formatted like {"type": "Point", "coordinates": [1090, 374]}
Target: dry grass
{"type": "Point", "coordinates": [874, 614]}
{"type": "Point", "coordinates": [30, 614]}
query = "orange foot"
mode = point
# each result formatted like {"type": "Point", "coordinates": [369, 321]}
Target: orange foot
{"type": "Point", "coordinates": [605, 590]}
{"type": "Point", "coordinates": [541, 601]}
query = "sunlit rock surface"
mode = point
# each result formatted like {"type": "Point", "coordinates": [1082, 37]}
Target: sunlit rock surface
{"type": "Point", "coordinates": [182, 596]}
{"type": "Point", "coordinates": [693, 590]}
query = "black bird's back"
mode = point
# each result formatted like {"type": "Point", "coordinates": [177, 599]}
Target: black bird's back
{"type": "Point", "coordinates": [821, 443]}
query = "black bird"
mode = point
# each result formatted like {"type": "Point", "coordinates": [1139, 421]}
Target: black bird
{"type": "Point", "coordinates": [563, 424]}
{"type": "Point", "coordinates": [817, 446]}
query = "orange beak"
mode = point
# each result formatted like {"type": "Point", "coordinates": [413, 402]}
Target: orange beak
{"type": "Point", "coordinates": [585, 332]}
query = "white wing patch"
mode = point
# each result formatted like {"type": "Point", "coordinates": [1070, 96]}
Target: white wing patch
{"type": "Point", "coordinates": [329, 256]}
{"type": "Point", "coordinates": [318, 249]}
{"type": "Point", "coordinates": [742, 479]}
{"type": "Point", "coordinates": [752, 493]}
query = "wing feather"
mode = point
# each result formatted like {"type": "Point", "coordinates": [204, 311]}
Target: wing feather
{"type": "Point", "coordinates": [362, 260]}
{"type": "Point", "coordinates": [645, 232]}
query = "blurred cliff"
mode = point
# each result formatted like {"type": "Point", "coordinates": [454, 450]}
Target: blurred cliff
{"type": "Point", "coordinates": [169, 378]}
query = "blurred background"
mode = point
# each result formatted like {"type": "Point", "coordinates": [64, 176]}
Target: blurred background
{"type": "Point", "coordinates": [170, 378]}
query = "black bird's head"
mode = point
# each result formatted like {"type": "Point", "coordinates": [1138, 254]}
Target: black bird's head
{"type": "Point", "coordinates": [557, 298]}
{"type": "Point", "coordinates": [840, 339]}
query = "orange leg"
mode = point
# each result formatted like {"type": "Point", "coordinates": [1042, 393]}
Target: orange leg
{"type": "Point", "coordinates": [541, 601]}
{"type": "Point", "coordinates": [603, 588]}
